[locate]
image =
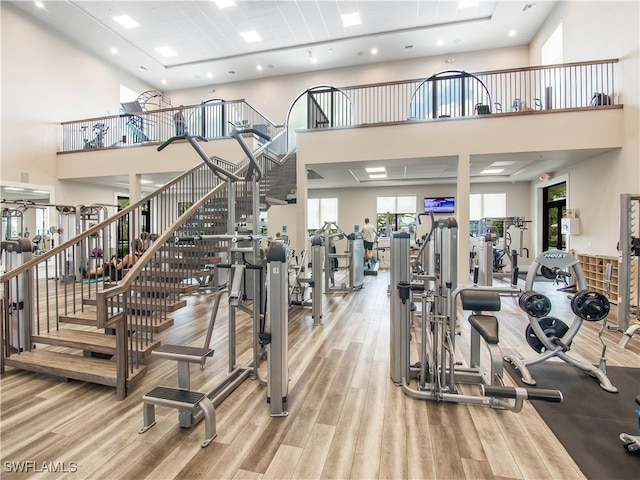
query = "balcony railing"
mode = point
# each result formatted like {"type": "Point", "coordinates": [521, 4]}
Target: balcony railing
{"type": "Point", "coordinates": [455, 93]}
{"type": "Point", "coordinates": [451, 93]}
{"type": "Point", "coordinates": [211, 119]}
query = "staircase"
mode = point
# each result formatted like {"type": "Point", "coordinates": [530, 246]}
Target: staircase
{"type": "Point", "coordinates": [100, 331]}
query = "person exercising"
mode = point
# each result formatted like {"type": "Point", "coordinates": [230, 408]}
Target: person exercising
{"type": "Point", "coordinates": [116, 269]}
{"type": "Point", "coordinates": [180, 123]}
{"type": "Point", "coordinates": [369, 236]}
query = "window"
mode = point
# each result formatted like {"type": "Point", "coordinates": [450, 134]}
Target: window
{"type": "Point", "coordinates": [320, 210]}
{"type": "Point", "coordinates": [551, 52]}
{"type": "Point", "coordinates": [483, 205]}
{"type": "Point", "coordinates": [396, 214]}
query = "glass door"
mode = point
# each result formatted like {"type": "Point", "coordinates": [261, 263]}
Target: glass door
{"type": "Point", "coordinates": [554, 210]}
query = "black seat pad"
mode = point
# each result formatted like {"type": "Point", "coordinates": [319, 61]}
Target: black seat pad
{"type": "Point", "coordinates": [486, 326]}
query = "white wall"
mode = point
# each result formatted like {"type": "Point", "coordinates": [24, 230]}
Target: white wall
{"type": "Point", "coordinates": [47, 80]}
{"type": "Point", "coordinates": [601, 30]}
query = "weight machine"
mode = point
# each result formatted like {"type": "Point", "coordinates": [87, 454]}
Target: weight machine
{"type": "Point", "coordinates": [298, 289]}
{"type": "Point", "coordinates": [354, 255]}
{"type": "Point", "coordinates": [550, 336]}
{"type": "Point", "coordinates": [490, 226]}
{"type": "Point", "coordinates": [18, 294]}
{"type": "Point", "coordinates": [629, 247]}
{"type": "Point", "coordinates": [437, 370]}
{"type": "Point", "coordinates": [269, 337]}
{"type": "Point", "coordinates": [11, 217]}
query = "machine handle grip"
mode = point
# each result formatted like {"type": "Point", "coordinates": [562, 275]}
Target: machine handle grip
{"type": "Point", "coordinates": [186, 239]}
{"type": "Point", "coordinates": [179, 137]}
{"type": "Point", "coordinates": [544, 394]}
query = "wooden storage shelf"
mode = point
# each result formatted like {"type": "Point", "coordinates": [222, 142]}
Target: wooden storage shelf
{"type": "Point", "coordinates": [595, 272]}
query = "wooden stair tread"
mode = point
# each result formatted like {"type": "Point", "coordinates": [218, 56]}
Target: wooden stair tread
{"type": "Point", "coordinates": [88, 341]}
{"type": "Point", "coordinates": [174, 273]}
{"type": "Point", "coordinates": [144, 304]}
{"type": "Point", "coordinates": [86, 317]}
{"type": "Point", "coordinates": [89, 318]}
{"type": "Point", "coordinates": [86, 369]}
{"type": "Point", "coordinates": [186, 248]}
{"type": "Point", "coordinates": [191, 260]}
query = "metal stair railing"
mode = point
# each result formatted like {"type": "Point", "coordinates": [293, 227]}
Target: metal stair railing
{"type": "Point", "coordinates": [138, 303]}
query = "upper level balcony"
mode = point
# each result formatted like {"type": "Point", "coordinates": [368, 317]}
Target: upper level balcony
{"type": "Point", "coordinates": [445, 99]}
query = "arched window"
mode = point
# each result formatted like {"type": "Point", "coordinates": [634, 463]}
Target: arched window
{"type": "Point", "coordinates": [322, 106]}
{"type": "Point", "coordinates": [452, 93]}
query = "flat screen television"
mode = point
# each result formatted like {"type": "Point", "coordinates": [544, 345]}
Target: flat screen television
{"type": "Point", "coordinates": [439, 204]}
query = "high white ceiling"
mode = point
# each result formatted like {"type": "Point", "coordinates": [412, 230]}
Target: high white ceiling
{"type": "Point", "coordinates": [208, 44]}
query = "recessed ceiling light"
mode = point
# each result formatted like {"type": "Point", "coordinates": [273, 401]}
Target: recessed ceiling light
{"type": "Point", "coordinates": [224, 3]}
{"type": "Point", "coordinates": [250, 36]}
{"type": "Point", "coordinates": [512, 33]}
{"type": "Point", "coordinates": [166, 52]}
{"type": "Point", "coordinates": [349, 19]}
{"type": "Point", "coordinates": [440, 43]}
{"type": "Point", "coordinates": [312, 58]}
{"type": "Point", "coordinates": [375, 169]}
{"type": "Point", "coordinates": [489, 171]}
{"type": "Point", "coordinates": [163, 81]}
{"type": "Point", "coordinates": [126, 21]}
{"type": "Point", "coordinates": [209, 75]}
{"type": "Point", "coordinates": [468, 3]}
{"type": "Point", "coordinates": [259, 68]}
{"type": "Point", "coordinates": [331, 50]}
{"type": "Point", "coordinates": [114, 50]}
{"type": "Point", "coordinates": [39, 4]}
{"type": "Point", "coordinates": [378, 175]}
{"type": "Point", "coordinates": [374, 51]}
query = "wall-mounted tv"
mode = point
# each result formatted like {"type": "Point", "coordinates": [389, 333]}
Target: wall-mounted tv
{"type": "Point", "coordinates": [439, 204]}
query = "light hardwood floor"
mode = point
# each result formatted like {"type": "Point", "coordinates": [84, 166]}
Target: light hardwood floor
{"type": "Point", "coordinates": [346, 417]}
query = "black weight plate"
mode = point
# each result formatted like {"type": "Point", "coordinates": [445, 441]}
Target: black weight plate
{"type": "Point", "coordinates": [551, 326]}
{"type": "Point", "coordinates": [547, 273]}
{"type": "Point", "coordinates": [590, 306]}
{"type": "Point", "coordinates": [535, 304]}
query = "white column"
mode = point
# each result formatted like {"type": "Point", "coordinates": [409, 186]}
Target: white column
{"type": "Point", "coordinates": [300, 236]}
{"type": "Point", "coordinates": [135, 187]}
{"type": "Point", "coordinates": [462, 201]}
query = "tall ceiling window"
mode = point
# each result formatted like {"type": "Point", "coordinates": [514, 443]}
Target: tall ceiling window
{"type": "Point", "coordinates": [551, 53]}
